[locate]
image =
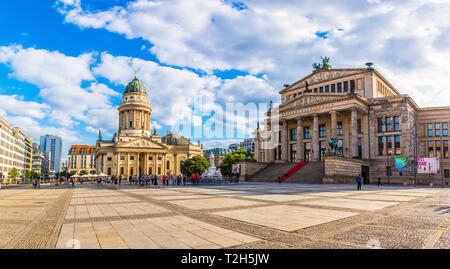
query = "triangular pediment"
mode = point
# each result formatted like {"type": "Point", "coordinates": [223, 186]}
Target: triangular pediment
{"type": "Point", "coordinates": [311, 99]}
{"type": "Point", "coordinates": [142, 142]}
{"type": "Point", "coordinates": [321, 76]}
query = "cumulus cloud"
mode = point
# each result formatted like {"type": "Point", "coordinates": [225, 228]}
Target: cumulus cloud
{"type": "Point", "coordinates": [14, 104]}
{"type": "Point", "coordinates": [405, 39]}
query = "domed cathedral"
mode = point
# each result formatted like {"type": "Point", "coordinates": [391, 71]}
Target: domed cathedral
{"type": "Point", "coordinates": [134, 150]}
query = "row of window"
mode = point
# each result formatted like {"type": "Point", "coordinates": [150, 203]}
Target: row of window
{"type": "Point", "coordinates": [322, 131]}
{"type": "Point", "coordinates": [340, 87]}
{"type": "Point", "coordinates": [122, 158]}
{"type": "Point", "coordinates": [388, 124]}
{"type": "Point", "coordinates": [437, 129]}
{"type": "Point", "coordinates": [438, 149]}
{"type": "Point", "coordinates": [393, 145]}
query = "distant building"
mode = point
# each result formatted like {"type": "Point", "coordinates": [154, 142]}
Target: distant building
{"type": "Point", "coordinates": [234, 146]}
{"type": "Point", "coordinates": [248, 144]}
{"type": "Point", "coordinates": [28, 153]}
{"type": "Point", "coordinates": [12, 150]}
{"type": "Point", "coordinates": [81, 158]}
{"type": "Point", "coordinates": [52, 145]}
{"type": "Point", "coordinates": [40, 163]}
{"type": "Point", "coordinates": [219, 154]}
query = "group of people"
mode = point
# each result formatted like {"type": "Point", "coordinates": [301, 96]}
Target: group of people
{"type": "Point", "coordinates": [150, 180]}
{"type": "Point", "coordinates": [110, 181]}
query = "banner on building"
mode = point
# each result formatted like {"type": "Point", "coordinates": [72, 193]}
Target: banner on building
{"type": "Point", "coordinates": [427, 165]}
{"type": "Point", "coordinates": [236, 168]}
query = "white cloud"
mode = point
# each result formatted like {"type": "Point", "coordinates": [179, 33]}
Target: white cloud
{"type": "Point", "coordinates": [407, 40]}
{"type": "Point", "coordinates": [14, 104]}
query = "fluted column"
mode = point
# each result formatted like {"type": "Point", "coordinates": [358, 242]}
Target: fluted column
{"type": "Point", "coordinates": [354, 135]}
{"type": "Point", "coordinates": [315, 138]}
{"type": "Point", "coordinates": [300, 148]}
{"type": "Point", "coordinates": [333, 124]}
{"type": "Point", "coordinates": [284, 138]}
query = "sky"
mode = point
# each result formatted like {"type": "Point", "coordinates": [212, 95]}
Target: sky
{"type": "Point", "coordinates": [64, 64]}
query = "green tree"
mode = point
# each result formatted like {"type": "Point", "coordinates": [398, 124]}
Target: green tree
{"type": "Point", "coordinates": [27, 174]}
{"type": "Point", "coordinates": [35, 174]}
{"type": "Point", "coordinates": [13, 174]}
{"type": "Point", "coordinates": [234, 158]}
{"type": "Point", "coordinates": [83, 172]}
{"type": "Point", "coordinates": [195, 165]}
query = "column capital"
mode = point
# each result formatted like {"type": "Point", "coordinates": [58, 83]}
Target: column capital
{"type": "Point", "coordinates": [299, 119]}
{"type": "Point", "coordinates": [333, 112]}
{"type": "Point", "coordinates": [315, 115]}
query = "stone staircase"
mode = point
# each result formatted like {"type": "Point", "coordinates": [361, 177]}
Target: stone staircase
{"type": "Point", "coordinates": [312, 173]}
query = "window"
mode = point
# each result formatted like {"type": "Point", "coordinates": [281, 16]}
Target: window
{"type": "Point", "coordinates": [122, 158]}
{"type": "Point", "coordinates": [339, 86]}
{"type": "Point", "coordinates": [430, 129]}
{"type": "Point", "coordinates": [430, 149]}
{"type": "Point", "coordinates": [389, 145]}
{"type": "Point", "coordinates": [438, 148]}
{"type": "Point", "coordinates": [322, 130]}
{"type": "Point", "coordinates": [159, 170]}
{"type": "Point", "coordinates": [398, 149]}
{"type": "Point", "coordinates": [150, 158]}
{"type": "Point", "coordinates": [380, 124]}
{"type": "Point", "coordinates": [339, 128]}
{"type": "Point", "coordinates": [279, 136]}
{"type": "Point", "coordinates": [381, 145]}
{"type": "Point", "coordinates": [345, 86]}
{"type": "Point", "coordinates": [109, 159]}
{"type": "Point", "coordinates": [121, 170]}
{"type": "Point", "coordinates": [352, 86]}
{"type": "Point", "coordinates": [293, 134]}
{"type": "Point", "coordinates": [307, 132]}
{"type": "Point", "coordinates": [321, 89]}
{"type": "Point", "coordinates": [333, 87]}
{"type": "Point", "coordinates": [131, 124]}
{"type": "Point", "coordinates": [131, 158]}
{"type": "Point", "coordinates": [445, 144]}
{"type": "Point", "coordinates": [159, 158]}
{"type": "Point", "coordinates": [168, 165]}
{"type": "Point", "coordinates": [109, 171]}
{"type": "Point", "coordinates": [446, 173]}
{"type": "Point", "coordinates": [315, 89]}
{"type": "Point", "coordinates": [396, 123]}
{"type": "Point", "coordinates": [388, 124]}
{"type": "Point", "coordinates": [150, 170]}
{"type": "Point", "coordinates": [437, 129]}
{"type": "Point", "coordinates": [358, 123]}
{"type": "Point", "coordinates": [444, 129]}
{"type": "Point", "coordinates": [327, 88]}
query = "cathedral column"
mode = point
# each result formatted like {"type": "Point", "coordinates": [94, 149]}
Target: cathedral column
{"type": "Point", "coordinates": [284, 138]}
{"type": "Point", "coordinates": [128, 166]}
{"type": "Point", "coordinates": [117, 164]}
{"type": "Point", "coordinates": [300, 149]}
{"type": "Point", "coordinates": [146, 164]}
{"type": "Point", "coordinates": [354, 134]}
{"type": "Point", "coordinates": [155, 158]}
{"type": "Point", "coordinates": [137, 163]}
{"type": "Point", "coordinates": [103, 163]}
{"type": "Point", "coordinates": [315, 138]}
{"type": "Point", "coordinates": [333, 124]}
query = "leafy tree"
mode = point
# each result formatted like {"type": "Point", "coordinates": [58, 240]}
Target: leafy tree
{"type": "Point", "coordinates": [83, 172]}
{"type": "Point", "coordinates": [234, 158]}
{"type": "Point", "coordinates": [195, 165]}
{"type": "Point", "coordinates": [35, 174]}
{"type": "Point", "coordinates": [13, 173]}
{"type": "Point", "coordinates": [27, 174]}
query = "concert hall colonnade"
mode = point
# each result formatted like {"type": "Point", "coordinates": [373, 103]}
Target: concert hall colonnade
{"type": "Point", "coordinates": [372, 121]}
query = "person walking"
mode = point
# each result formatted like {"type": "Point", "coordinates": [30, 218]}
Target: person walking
{"type": "Point", "coordinates": [379, 182]}
{"type": "Point", "coordinates": [358, 182]}
{"type": "Point", "coordinates": [192, 179]}
{"type": "Point", "coordinates": [120, 180]}
{"type": "Point", "coordinates": [164, 178]}
{"type": "Point", "coordinates": [198, 179]}
{"type": "Point", "coordinates": [279, 178]}
{"type": "Point", "coordinates": [184, 180]}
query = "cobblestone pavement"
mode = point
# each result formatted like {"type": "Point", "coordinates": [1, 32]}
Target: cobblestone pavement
{"type": "Point", "coordinates": [246, 215]}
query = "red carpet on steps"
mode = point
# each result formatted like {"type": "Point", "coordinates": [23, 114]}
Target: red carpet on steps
{"type": "Point", "coordinates": [292, 171]}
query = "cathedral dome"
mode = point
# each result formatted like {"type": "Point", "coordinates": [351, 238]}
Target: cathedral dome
{"type": "Point", "coordinates": [135, 86]}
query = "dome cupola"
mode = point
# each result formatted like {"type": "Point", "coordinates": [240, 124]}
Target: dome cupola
{"type": "Point", "coordinates": [135, 86]}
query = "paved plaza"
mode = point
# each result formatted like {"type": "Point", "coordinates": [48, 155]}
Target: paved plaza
{"type": "Point", "coordinates": [245, 215]}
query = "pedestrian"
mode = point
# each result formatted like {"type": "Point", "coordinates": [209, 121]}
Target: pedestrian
{"type": "Point", "coordinates": [192, 179]}
{"type": "Point", "coordinates": [178, 180]}
{"type": "Point", "coordinates": [73, 183]}
{"type": "Point", "coordinates": [120, 180]}
{"type": "Point", "coordinates": [164, 178]}
{"type": "Point", "coordinates": [184, 180]}
{"type": "Point", "coordinates": [379, 182]}
{"type": "Point", "coordinates": [198, 179]}
{"type": "Point", "coordinates": [358, 182]}
{"type": "Point", "coordinates": [279, 178]}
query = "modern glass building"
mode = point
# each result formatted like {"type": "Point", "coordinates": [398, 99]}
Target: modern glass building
{"type": "Point", "coordinates": [52, 145]}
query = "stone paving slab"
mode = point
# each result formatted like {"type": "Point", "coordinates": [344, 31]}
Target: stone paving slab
{"type": "Point", "coordinates": [277, 197]}
{"type": "Point", "coordinates": [367, 205]}
{"type": "Point", "coordinates": [286, 217]}
{"type": "Point", "coordinates": [382, 197]}
{"type": "Point", "coordinates": [213, 203]}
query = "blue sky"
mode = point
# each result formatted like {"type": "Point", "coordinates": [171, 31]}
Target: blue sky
{"type": "Point", "coordinates": [64, 63]}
